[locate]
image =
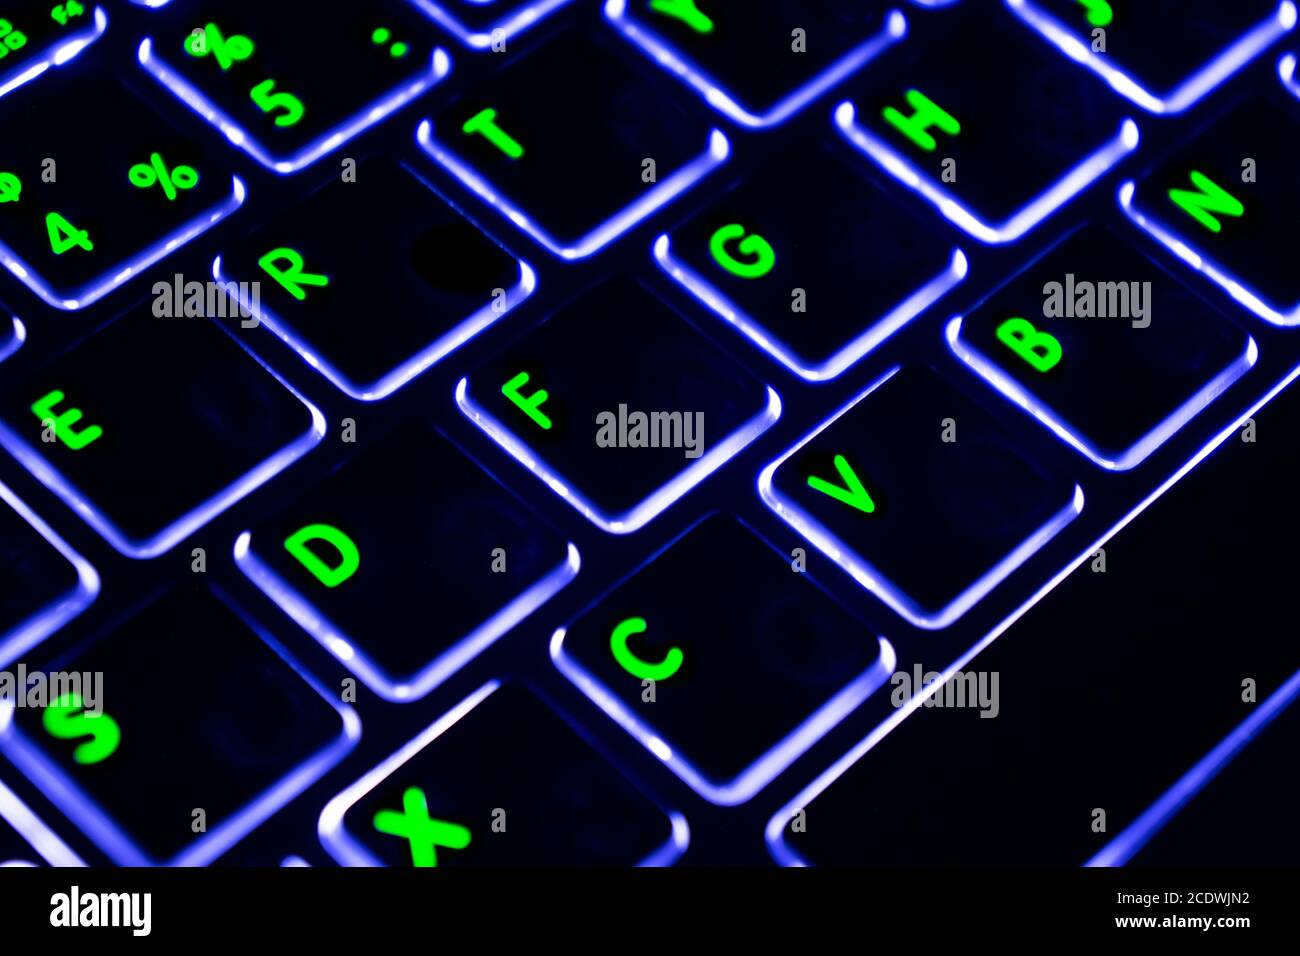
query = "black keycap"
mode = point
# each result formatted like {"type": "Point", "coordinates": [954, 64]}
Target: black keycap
{"type": "Point", "coordinates": [1108, 691]}
{"type": "Point", "coordinates": [383, 246]}
{"type": "Point", "coordinates": [619, 418]}
{"type": "Point", "coordinates": [43, 582]}
{"type": "Point", "coordinates": [721, 624]}
{"type": "Point", "coordinates": [195, 720]}
{"type": "Point", "coordinates": [793, 258]}
{"type": "Point", "coordinates": [573, 144]}
{"type": "Point", "coordinates": [36, 35]}
{"type": "Point", "coordinates": [287, 83]}
{"type": "Point", "coordinates": [1164, 55]}
{"type": "Point", "coordinates": [1224, 203]}
{"type": "Point", "coordinates": [25, 840]}
{"type": "Point", "coordinates": [98, 196]}
{"type": "Point", "coordinates": [914, 460]}
{"type": "Point", "coordinates": [1114, 360]}
{"type": "Point", "coordinates": [154, 426]}
{"type": "Point", "coordinates": [488, 24]}
{"type": "Point", "coordinates": [500, 780]}
{"type": "Point", "coordinates": [348, 560]}
{"type": "Point", "coordinates": [758, 63]}
{"type": "Point", "coordinates": [1244, 816]}
{"type": "Point", "coordinates": [996, 134]}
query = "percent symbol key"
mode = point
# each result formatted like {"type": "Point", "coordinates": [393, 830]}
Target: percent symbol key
{"type": "Point", "coordinates": [156, 173]}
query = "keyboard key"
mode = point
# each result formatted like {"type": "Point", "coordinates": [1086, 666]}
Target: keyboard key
{"type": "Point", "coordinates": [690, 636]}
{"type": "Point", "coordinates": [339, 561]}
{"type": "Point", "coordinates": [1223, 202]}
{"type": "Point", "coordinates": [43, 582]}
{"type": "Point", "coordinates": [198, 731]}
{"type": "Point", "coordinates": [500, 780]}
{"type": "Point", "coordinates": [619, 418]}
{"type": "Point", "coordinates": [487, 24]}
{"type": "Point", "coordinates": [912, 459]}
{"type": "Point", "coordinates": [25, 840]}
{"type": "Point", "coordinates": [1107, 691]}
{"type": "Point", "coordinates": [793, 258]}
{"type": "Point", "coordinates": [573, 145]}
{"type": "Point", "coordinates": [1213, 829]}
{"type": "Point", "coordinates": [1113, 360]}
{"type": "Point", "coordinates": [287, 83]}
{"type": "Point", "coordinates": [1164, 55]}
{"type": "Point", "coordinates": [36, 35]}
{"type": "Point", "coordinates": [969, 147]}
{"type": "Point", "coordinates": [148, 449]}
{"type": "Point", "coordinates": [12, 335]}
{"type": "Point", "coordinates": [97, 197]}
{"type": "Point", "coordinates": [386, 247]}
{"type": "Point", "coordinates": [760, 63]}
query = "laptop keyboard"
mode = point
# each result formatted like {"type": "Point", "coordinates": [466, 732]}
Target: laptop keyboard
{"type": "Point", "coordinates": [536, 432]}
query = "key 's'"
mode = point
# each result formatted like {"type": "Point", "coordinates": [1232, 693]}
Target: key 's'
{"type": "Point", "coordinates": [162, 743]}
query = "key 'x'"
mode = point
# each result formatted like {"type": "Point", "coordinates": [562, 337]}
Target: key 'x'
{"type": "Point", "coordinates": [424, 833]}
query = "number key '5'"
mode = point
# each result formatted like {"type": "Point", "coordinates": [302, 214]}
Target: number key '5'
{"type": "Point", "coordinates": [269, 101]}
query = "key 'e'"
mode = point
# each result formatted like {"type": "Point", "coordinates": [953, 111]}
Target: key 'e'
{"type": "Point", "coordinates": [61, 424]}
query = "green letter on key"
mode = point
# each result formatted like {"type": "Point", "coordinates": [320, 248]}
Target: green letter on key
{"type": "Point", "coordinates": [1040, 349]}
{"type": "Point", "coordinates": [1209, 196]}
{"type": "Point", "coordinates": [423, 832]}
{"type": "Point", "coordinates": [530, 405]}
{"type": "Point", "coordinates": [290, 273]}
{"type": "Point", "coordinates": [62, 424]}
{"type": "Point", "coordinates": [685, 11]}
{"type": "Point", "coordinates": [925, 114]}
{"type": "Point", "coordinates": [349, 556]}
{"type": "Point", "coordinates": [485, 122]}
{"type": "Point", "coordinates": [1098, 11]}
